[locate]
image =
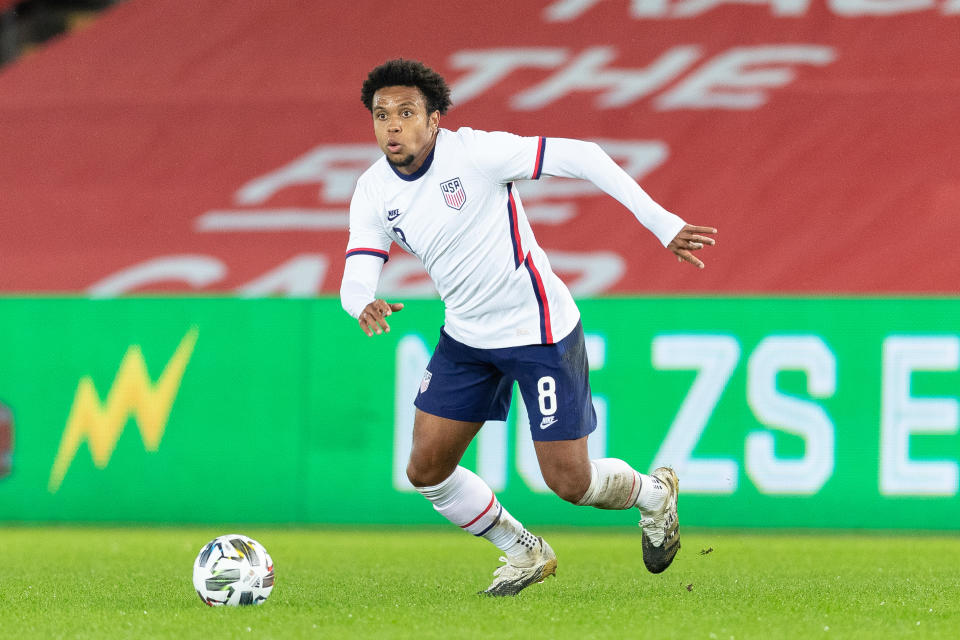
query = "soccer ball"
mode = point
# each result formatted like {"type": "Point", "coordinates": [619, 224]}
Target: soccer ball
{"type": "Point", "coordinates": [233, 570]}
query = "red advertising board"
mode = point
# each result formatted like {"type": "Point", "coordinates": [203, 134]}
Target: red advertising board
{"type": "Point", "coordinates": [213, 145]}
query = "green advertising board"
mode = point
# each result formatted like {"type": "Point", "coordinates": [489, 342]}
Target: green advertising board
{"type": "Point", "coordinates": [776, 412]}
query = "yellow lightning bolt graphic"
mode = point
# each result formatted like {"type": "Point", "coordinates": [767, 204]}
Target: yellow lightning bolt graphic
{"type": "Point", "coordinates": [132, 393]}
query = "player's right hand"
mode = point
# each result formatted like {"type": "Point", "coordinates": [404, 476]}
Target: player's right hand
{"type": "Point", "coordinates": [691, 238]}
{"type": "Point", "coordinates": [373, 318]}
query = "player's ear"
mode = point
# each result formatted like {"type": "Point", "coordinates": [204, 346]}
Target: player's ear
{"type": "Point", "coordinates": [435, 121]}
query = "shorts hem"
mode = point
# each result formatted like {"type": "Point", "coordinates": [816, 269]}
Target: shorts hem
{"type": "Point", "coordinates": [453, 414]}
{"type": "Point", "coordinates": [545, 435]}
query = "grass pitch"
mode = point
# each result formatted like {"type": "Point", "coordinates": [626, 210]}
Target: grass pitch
{"type": "Point", "coordinates": [85, 582]}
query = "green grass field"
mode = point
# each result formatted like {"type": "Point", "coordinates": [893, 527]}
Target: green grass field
{"type": "Point", "coordinates": [86, 582]}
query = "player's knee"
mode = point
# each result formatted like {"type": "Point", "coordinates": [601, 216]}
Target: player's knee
{"type": "Point", "coordinates": [420, 476]}
{"type": "Point", "coordinates": [567, 487]}
{"type": "Point", "coordinates": [416, 476]}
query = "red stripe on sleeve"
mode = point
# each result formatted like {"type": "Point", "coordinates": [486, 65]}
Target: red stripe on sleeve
{"type": "Point", "coordinates": [369, 251]}
{"type": "Point", "coordinates": [538, 163]}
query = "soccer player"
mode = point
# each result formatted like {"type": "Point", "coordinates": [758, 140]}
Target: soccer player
{"type": "Point", "coordinates": [450, 198]}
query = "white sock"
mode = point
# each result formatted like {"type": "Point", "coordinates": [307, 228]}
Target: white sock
{"type": "Point", "coordinates": [614, 484]}
{"type": "Point", "coordinates": [652, 494]}
{"type": "Point", "coordinates": [465, 500]}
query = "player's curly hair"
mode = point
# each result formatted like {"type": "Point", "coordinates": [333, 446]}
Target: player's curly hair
{"type": "Point", "coordinates": [407, 73]}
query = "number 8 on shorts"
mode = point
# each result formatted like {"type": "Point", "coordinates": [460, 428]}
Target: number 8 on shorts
{"type": "Point", "coordinates": [547, 387]}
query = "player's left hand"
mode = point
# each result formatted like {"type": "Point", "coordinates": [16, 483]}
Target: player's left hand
{"type": "Point", "coordinates": [691, 238]}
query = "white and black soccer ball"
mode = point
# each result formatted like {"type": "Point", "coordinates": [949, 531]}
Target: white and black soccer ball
{"type": "Point", "coordinates": [233, 570]}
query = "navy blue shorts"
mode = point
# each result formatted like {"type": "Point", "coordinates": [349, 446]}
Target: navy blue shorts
{"type": "Point", "coordinates": [475, 385]}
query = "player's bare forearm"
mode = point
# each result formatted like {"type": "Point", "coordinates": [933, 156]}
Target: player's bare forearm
{"type": "Point", "coordinates": [692, 238]}
{"type": "Point", "coordinates": [373, 318]}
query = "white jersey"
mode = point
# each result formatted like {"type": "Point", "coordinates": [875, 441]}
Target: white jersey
{"type": "Point", "coordinates": [461, 215]}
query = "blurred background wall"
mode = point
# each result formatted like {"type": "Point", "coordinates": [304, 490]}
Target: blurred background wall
{"type": "Point", "coordinates": [174, 187]}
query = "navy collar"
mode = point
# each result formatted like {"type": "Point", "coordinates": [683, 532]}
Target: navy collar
{"type": "Point", "coordinates": [419, 172]}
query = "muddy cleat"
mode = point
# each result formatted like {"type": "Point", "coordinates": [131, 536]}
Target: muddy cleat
{"type": "Point", "coordinates": [661, 528]}
{"type": "Point", "coordinates": [510, 579]}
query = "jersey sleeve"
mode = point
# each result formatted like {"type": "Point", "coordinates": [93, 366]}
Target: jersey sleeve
{"type": "Point", "coordinates": [586, 160]}
{"type": "Point", "coordinates": [361, 274]}
{"type": "Point", "coordinates": [505, 157]}
{"type": "Point", "coordinates": [367, 234]}
{"type": "Point", "coordinates": [367, 250]}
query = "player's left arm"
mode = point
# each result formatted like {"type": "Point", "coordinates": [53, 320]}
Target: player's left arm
{"type": "Point", "coordinates": [567, 158]}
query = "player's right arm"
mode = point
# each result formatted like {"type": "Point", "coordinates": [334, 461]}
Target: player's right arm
{"type": "Point", "coordinates": [367, 250]}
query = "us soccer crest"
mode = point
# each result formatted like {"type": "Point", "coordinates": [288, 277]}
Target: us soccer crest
{"type": "Point", "coordinates": [426, 381]}
{"type": "Point", "coordinates": [453, 193]}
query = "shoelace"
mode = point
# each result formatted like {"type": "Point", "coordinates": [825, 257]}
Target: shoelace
{"type": "Point", "coordinates": [656, 533]}
{"type": "Point", "coordinates": [508, 571]}
{"type": "Point", "coordinates": [499, 570]}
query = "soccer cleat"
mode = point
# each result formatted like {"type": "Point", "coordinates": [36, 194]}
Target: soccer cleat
{"type": "Point", "coordinates": [661, 528]}
{"type": "Point", "coordinates": [509, 580]}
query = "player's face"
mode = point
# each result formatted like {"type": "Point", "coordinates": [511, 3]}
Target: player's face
{"type": "Point", "coordinates": [406, 131]}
